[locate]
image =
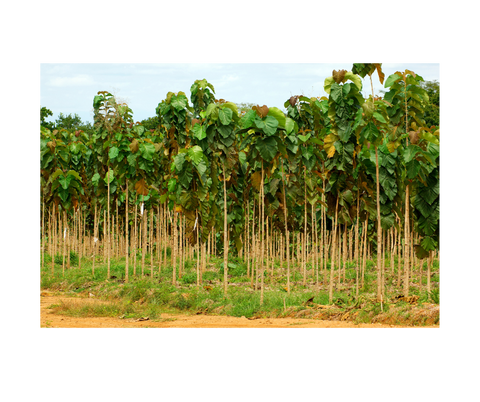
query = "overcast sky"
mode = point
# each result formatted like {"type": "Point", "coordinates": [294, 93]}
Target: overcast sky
{"type": "Point", "coordinates": [70, 88]}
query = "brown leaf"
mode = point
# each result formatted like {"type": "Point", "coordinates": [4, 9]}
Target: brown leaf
{"type": "Point", "coordinates": [293, 100]}
{"type": "Point", "coordinates": [381, 75]}
{"type": "Point", "coordinates": [134, 146]}
{"type": "Point", "coordinates": [262, 111]}
{"type": "Point", "coordinates": [195, 121]}
{"type": "Point", "coordinates": [413, 136]}
{"type": "Point", "coordinates": [339, 76]}
{"type": "Point", "coordinates": [256, 180]}
{"type": "Point", "coordinates": [141, 187]}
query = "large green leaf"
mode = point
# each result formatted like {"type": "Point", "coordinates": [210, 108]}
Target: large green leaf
{"type": "Point", "coordinates": [424, 207]}
{"type": "Point", "coordinates": [185, 177]}
{"type": "Point", "coordinates": [289, 125]}
{"type": "Point", "coordinates": [355, 78]}
{"type": "Point", "coordinates": [268, 125]}
{"type": "Point", "coordinates": [172, 185]}
{"type": "Point", "coordinates": [210, 111]}
{"type": "Point", "coordinates": [225, 131]}
{"type": "Point", "coordinates": [277, 114]}
{"type": "Point", "coordinates": [199, 131]}
{"type": "Point", "coordinates": [113, 153]}
{"type": "Point", "coordinates": [109, 176]}
{"type": "Point", "coordinates": [336, 93]}
{"type": "Point", "coordinates": [267, 148]}
{"type": "Point", "coordinates": [391, 80]}
{"type": "Point", "coordinates": [247, 120]}
{"type": "Point", "coordinates": [428, 224]}
{"type": "Point", "coordinates": [74, 174]}
{"type": "Point", "coordinates": [196, 154]}
{"type": "Point", "coordinates": [410, 152]}
{"type": "Point", "coordinates": [369, 133]}
{"type": "Point", "coordinates": [179, 102]}
{"type": "Point", "coordinates": [65, 181]}
{"type": "Point", "coordinates": [430, 192]}
{"type": "Point", "coordinates": [148, 150]}
{"type": "Point", "coordinates": [95, 179]}
{"type": "Point", "coordinates": [179, 160]}
{"type": "Point", "coordinates": [225, 116]}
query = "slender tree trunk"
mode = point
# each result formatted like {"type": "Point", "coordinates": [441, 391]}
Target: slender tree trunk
{"type": "Point", "coordinates": [175, 241]}
{"type": "Point", "coordinates": [287, 236]}
{"type": "Point", "coordinates": [332, 267]}
{"type": "Point", "coordinates": [108, 223]}
{"type": "Point", "coordinates": [262, 233]}
{"type": "Point", "coordinates": [225, 234]}
{"type": "Point", "coordinates": [379, 233]}
{"type": "Point", "coordinates": [126, 233]}
{"type": "Point", "coordinates": [406, 255]}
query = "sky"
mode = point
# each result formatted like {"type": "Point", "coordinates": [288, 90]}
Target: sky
{"type": "Point", "coordinates": [69, 88]}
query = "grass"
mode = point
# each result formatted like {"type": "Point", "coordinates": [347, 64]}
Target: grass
{"type": "Point", "coordinates": [153, 295]}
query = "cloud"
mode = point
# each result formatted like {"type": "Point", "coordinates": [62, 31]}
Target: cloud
{"type": "Point", "coordinates": [75, 81]}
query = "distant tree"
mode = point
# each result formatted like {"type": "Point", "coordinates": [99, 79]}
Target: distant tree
{"type": "Point", "coordinates": [73, 122]}
{"type": "Point", "coordinates": [151, 123]}
{"type": "Point", "coordinates": [244, 107]}
{"type": "Point", "coordinates": [69, 122]}
{"type": "Point", "coordinates": [44, 113]}
{"type": "Point", "coordinates": [432, 110]}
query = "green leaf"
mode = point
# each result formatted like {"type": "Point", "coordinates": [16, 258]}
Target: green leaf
{"type": "Point", "coordinates": [267, 148]}
{"type": "Point", "coordinates": [210, 108]}
{"type": "Point", "coordinates": [172, 185]}
{"type": "Point", "coordinates": [328, 84]}
{"type": "Point", "coordinates": [199, 131]}
{"type": "Point", "coordinates": [113, 153]}
{"type": "Point", "coordinates": [201, 167]}
{"type": "Point", "coordinates": [97, 101]}
{"type": "Point", "coordinates": [410, 152]}
{"type": "Point", "coordinates": [429, 244]}
{"type": "Point", "coordinates": [268, 125]}
{"type": "Point", "coordinates": [109, 176]}
{"type": "Point", "coordinates": [225, 131]}
{"type": "Point", "coordinates": [148, 150]}
{"type": "Point", "coordinates": [391, 80]}
{"type": "Point", "coordinates": [289, 125]}
{"type": "Point", "coordinates": [336, 93]}
{"type": "Point", "coordinates": [428, 224]}
{"type": "Point", "coordinates": [424, 207]}
{"type": "Point", "coordinates": [179, 160]}
{"type": "Point", "coordinates": [95, 179]}
{"type": "Point", "coordinates": [413, 167]}
{"type": "Point", "coordinates": [179, 102]}
{"type": "Point", "coordinates": [247, 120]}
{"type": "Point", "coordinates": [430, 192]}
{"type": "Point", "coordinates": [196, 154]}
{"type": "Point", "coordinates": [65, 181]}
{"type": "Point", "coordinates": [370, 133]}
{"type": "Point", "coordinates": [139, 130]}
{"type": "Point", "coordinates": [185, 177]}
{"type": "Point", "coordinates": [74, 174]}
{"type": "Point", "coordinates": [379, 117]}
{"type": "Point", "coordinates": [355, 78]}
{"type": "Point", "coordinates": [225, 116]}
{"type": "Point", "coordinates": [277, 114]}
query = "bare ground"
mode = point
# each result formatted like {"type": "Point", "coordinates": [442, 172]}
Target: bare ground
{"type": "Point", "coordinates": [49, 319]}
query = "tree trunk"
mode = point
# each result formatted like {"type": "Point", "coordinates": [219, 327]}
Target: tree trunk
{"type": "Point", "coordinates": [332, 267]}
{"type": "Point", "coordinates": [379, 233]}
{"type": "Point", "coordinates": [262, 200]}
{"type": "Point", "coordinates": [225, 234]}
{"type": "Point", "coordinates": [126, 233]}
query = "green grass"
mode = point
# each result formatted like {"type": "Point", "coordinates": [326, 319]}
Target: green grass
{"type": "Point", "coordinates": [150, 296]}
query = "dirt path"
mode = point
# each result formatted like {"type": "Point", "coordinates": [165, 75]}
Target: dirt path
{"type": "Point", "coordinates": [48, 319]}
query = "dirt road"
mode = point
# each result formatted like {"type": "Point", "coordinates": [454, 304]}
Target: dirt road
{"type": "Point", "coordinates": [48, 319]}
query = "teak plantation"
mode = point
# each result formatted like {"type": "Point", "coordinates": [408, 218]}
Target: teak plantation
{"type": "Point", "coordinates": [335, 189]}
